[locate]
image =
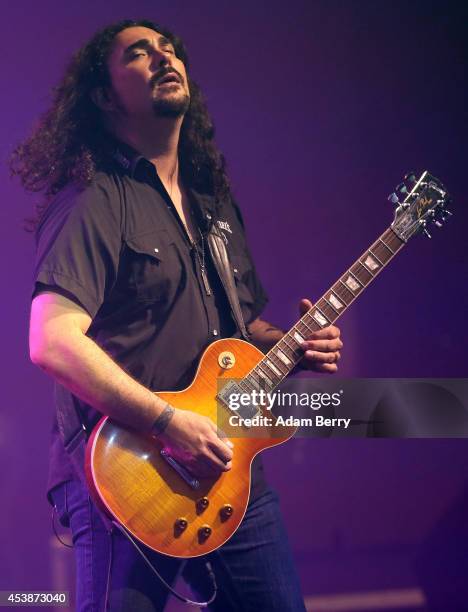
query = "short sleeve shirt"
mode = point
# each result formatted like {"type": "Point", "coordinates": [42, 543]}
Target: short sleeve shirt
{"type": "Point", "coordinates": [118, 248]}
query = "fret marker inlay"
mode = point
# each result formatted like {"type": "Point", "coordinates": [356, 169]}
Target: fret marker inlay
{"type": "Point", "coordinates": [351, 283]}
{"type": "Point", "coordinates": [297, 336]}
{"type": "Point", "coordinates": [371, 263]}
{"type": "Point", "coordinates": [334, 301]}
{"type": "Point", "coordinates": [272, 367]}
{"type": "Point", "coordinates": [265, 379]}
{"type": "Point", "coordinates": [283, 357]}
{"type": "Point", "coordinates": [321, 320]}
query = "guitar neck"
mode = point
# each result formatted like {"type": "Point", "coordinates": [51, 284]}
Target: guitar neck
{"type": "Point", "coordinates": [286, 353]}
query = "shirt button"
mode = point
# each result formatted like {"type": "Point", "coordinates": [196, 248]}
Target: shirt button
{"type": "Point", "coordinates": [215, 332]}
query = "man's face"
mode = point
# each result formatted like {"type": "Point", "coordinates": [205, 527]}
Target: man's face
{"type": "Point", "coordinates": [146, 76]}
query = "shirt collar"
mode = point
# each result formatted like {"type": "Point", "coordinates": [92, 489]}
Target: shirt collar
{"type": "Point", "coordinates": [126, 157]}
{"type": "Point", "coordinates": [130, 160]}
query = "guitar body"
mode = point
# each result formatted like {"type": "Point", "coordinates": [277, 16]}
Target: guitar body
{"type": "Point", "coordinates": [130, 479]}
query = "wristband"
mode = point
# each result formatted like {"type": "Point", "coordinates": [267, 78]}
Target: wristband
{"type": "Point", "coordinates": [162, 421]}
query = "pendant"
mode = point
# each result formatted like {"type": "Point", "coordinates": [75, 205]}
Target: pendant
{"type": "Point", "coordinates": [205, 281]}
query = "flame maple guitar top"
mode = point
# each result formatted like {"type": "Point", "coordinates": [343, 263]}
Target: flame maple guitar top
{"type": "Point", "coordinates": [130, 479]}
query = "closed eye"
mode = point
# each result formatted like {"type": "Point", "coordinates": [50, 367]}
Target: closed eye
{"type": "Point", "coordinates": [144, 47]}
{"type": "Point", "coordinates": [134, 55]}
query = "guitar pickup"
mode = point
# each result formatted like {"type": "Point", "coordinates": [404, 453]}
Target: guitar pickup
{"type": "Point", "coordinates": [232, 388]}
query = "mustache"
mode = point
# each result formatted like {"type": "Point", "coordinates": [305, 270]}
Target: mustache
{"type": "Point", "coordinates": [164, 72]}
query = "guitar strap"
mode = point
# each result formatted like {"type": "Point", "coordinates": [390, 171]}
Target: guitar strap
{"type": "Point", "coordinates": [222, 264]}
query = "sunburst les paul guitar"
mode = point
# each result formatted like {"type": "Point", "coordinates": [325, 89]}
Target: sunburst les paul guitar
{"type": "Point", "coordinates": [154, 497]}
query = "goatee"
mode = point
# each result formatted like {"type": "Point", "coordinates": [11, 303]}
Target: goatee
{"type": "Point", "coordinates": [171, 106]}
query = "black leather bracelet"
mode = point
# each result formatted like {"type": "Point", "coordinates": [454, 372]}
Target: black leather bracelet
{"type": "Point", "coordinates": [162, 421]}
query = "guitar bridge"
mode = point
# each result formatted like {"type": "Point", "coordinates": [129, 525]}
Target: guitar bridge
{"type": "Point", "coordinates": [183, 472]}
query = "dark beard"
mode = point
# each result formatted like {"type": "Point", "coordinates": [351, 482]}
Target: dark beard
{"type": "Point", "coordinates": [171, 106]}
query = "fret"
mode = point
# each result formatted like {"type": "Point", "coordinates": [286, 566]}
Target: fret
{"type": "Point", "coordinates": [335, 302]}
{"type": "Point", "coordinates": [380, 253]}
{"type": "Point", "coordinates": [371, 263]}
{"type": "Point", "coordinates": [322, 313]}
{"type": "Point", "coordinates": [312, 322]}
{"type": "Point", "coordinates": [327, 309]}
{"type": "Point", "coordinates": [387, 247]}
{"type": "Point", "coordinates": [304, 325]}
{"type": "Point", "coordinates": [395, 239]}
{"type": "Point", "coordinates": [319, 318]}
{"type": "Point", "coordinates": [273, 368]}
{"type": "Point", "coordinates": [262, 382]}
{"type": "Point", "coordinates": [288, 350]}
{"type": "Point", "coordinates": [353, 283]}
{"type": "Point", "coordinates": [377, 258]}
{"type": "Point", "coordinates": [331, 306]}
{"type": "Point", "coordinates": [295, 348]}
{"type": "Point", "coordinates": [348, 290]}
{"type": "Point", "coordinates": [366, 270]}
{"type": "Point", "coordinates": [267, 375]}
{"type": "Point", "coordinates": [261, 373]}
{"type": "Point", "coordinates": [284, 358]}
{"type": "Point", "coordinates": [353, 275]}
{"type": "Point", "coordinates": [277, 362]}
{"type": "Point", "coordinates": [297, 336]}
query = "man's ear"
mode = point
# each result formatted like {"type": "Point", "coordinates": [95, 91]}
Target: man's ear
{"type": "Point", "coordinates": [101, 98]}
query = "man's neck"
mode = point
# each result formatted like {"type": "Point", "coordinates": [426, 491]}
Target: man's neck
{"type": "Point", "coordinates": [158, 141]}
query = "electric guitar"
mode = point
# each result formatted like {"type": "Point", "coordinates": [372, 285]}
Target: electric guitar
{"type": "Point", "coordinates": [155, 498]}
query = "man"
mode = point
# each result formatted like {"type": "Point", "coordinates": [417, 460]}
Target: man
{"type": "Point", "coordinates": [127, 297]}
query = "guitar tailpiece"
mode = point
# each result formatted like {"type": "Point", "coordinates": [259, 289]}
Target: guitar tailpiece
{"type": "Point", "coordinates": [189, 602]}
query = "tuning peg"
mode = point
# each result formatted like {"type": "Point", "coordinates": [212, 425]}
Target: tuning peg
{"type": "Point", "coordinates": [402, 188]}
{"type": "Point", "coordinates": [445, 214]}
{"type": "Point", "coordinates": [393, 198]}
{"type": "Point", "coordinates": [410, 176]}
{"type": "Point", "coordinates": [438, 223]}
{"type": "Point", "coordinates": [423, 223]}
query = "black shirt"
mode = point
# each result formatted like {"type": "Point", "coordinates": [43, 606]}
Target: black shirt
{"type": "Point", "coordinates": [119, 249]}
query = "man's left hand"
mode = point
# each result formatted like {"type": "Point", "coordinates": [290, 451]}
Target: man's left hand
{"type": "Point", "coordinates": [322, 348]}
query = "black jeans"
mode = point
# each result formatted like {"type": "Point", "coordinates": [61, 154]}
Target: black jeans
{"type": "Point", "coordinates": [254, 569]}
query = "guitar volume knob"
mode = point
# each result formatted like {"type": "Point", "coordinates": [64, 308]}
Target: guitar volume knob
{"type": "Point", "coordinates": [181, 524]}
{"type": "Point", "coordinates": [226, 512]}
{"type": "Point", "coordinates": [202, 504]}
{"type": "Point", "coordinates": [204, 532]}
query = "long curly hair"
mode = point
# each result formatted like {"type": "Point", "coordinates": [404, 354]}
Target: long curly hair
{"type": "Point", "coordinates": [69, 142]}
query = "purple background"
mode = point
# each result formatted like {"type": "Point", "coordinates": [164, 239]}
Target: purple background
{"type": "Point", "coordinates": [321, 107]}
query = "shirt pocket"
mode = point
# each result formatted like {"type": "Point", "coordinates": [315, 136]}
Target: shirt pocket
{"type": "Point", "coordinates": [155, 266]}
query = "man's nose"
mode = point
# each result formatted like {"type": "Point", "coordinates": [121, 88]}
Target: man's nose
{"type": "Point", "coordinates": [159, 59]}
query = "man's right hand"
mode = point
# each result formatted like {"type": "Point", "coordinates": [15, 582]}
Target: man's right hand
{"type": "Point", "coordinates": [194, 441]}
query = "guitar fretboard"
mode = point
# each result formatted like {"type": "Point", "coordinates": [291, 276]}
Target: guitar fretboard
{"type": "Point", "coordinates": [286, 353]}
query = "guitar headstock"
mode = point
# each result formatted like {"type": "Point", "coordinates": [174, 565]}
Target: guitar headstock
{"type": "Point", "coordinates": [425, 201]}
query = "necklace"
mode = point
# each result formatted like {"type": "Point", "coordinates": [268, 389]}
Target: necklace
{"type": "Point", "coordinates": [201, 258]}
